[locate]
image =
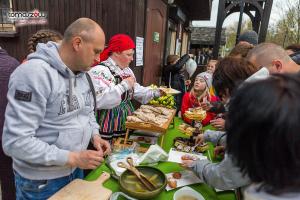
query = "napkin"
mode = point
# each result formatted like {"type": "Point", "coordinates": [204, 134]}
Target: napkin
{"type": "Point", "coordinates": [153, 155]}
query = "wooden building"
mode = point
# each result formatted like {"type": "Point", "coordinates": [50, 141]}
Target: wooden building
{"type": "Point", "coordinates": [202, 42]}
{"type": "Point", "coordinates": [204, 37]}
{"type": "Point", "coordinates": [164, 25]}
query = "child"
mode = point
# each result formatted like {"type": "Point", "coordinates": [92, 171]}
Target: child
{"type": "Point", "coordinates": [211, 66]}
{"type": "Point", "coordinates": [198, 94]}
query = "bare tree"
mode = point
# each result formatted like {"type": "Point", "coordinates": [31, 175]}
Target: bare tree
{"type": "Point", "coordinates": [287, 30]}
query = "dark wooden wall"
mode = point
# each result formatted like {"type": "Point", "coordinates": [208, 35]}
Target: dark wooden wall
{"type": "Point", "coordinates": [114, 16]}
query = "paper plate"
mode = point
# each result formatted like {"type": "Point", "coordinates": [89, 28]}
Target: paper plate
{"type": "Point", "coordinates": [170, 90]}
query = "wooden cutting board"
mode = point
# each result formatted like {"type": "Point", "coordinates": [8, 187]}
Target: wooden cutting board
{"type": "Point", "coordinates": [84, 190]}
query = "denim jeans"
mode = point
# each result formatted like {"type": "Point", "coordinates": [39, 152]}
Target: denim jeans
{"type": "Point", "coordinates": [27, 189]}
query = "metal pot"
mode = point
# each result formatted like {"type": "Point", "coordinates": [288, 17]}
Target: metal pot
{"type": "Point", "coordinates": [145, 194]}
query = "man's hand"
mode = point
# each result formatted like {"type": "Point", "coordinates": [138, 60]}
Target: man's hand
{"type": "Point", "coordinates": [200, 139]}
{"type": "Point", "coordinates": [101, 145]}
{"type": "Point", "coordinates": [131, 81]}
{"type": "Point", "coordinates": [162, 92]}
{"type": "Point", "coordinates": [219, 151]}
{"type": "Point", "coordinates": [188, 161]}
{"type": "Point", "coordinates": [218, 123]}
{"type": "Point", "coordinates": [206, 106]}
{"type": "Point", "coordinates": [187, 82]}
{"type": "Point", "coordinates": [191, 55]}
{"type": "Point", "coordinates": [87, 159]}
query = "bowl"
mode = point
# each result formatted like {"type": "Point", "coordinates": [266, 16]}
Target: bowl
{"type": "Point", "coordinates": [187, 191]}
{"type": "Point", "coordinates": [130, 185]}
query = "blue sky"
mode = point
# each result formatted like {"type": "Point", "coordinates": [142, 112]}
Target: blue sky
{"type": "Point", "coordinates": [235, 17]}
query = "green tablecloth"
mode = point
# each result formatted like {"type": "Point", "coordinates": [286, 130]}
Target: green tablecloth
{"type": "Point", "coordinates": [207, 192]}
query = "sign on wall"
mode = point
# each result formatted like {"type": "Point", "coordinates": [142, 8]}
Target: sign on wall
{"type": "Point", "coordinates": [156, 37]}
{"type": "Point", "coordinates": [139, 51]}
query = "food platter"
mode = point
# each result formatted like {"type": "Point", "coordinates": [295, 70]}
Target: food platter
{"type": "Point", "coordinates": [186, 129]}
{"type": "Point", "coordinates": [196, 114]}
{"type": "Point", "coordinates": [182, 178]}
{"type": "Point", "coordinates": [147, 122]}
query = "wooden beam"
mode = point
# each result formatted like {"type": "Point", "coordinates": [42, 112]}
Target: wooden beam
{"type": "Point", "coordinates": [242, 5]}
{"type": "Point", "coordinates": [265, 21]}
{"type": "Point", "coordinates": [220, 20]}
{"type": "Point", "coordinates": [256, 21]}
{"type": "Point", "coordinates": [260, 19]}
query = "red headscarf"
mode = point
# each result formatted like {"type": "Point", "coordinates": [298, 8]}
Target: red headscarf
{"type": "Point", "coordinates": [117, 43]}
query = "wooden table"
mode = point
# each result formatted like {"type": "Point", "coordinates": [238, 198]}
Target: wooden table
{"type": "Point", "coordinates": [150, 127]}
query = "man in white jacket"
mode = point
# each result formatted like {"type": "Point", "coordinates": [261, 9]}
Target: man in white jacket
{"type": "Point", "coordinates": [49, 119]}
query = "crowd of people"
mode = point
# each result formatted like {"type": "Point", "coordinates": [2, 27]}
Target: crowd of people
{"type": "Point", "coordinates": [257, 85]}
{"type": "Point", "coordinates": [78, 92]}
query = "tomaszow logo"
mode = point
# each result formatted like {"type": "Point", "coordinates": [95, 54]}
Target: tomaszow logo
{"type": "Point", "coordinates": [21, 18]}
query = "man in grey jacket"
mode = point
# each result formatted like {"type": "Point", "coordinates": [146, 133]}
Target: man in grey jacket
{"type": "Point", "coordinates": [49, 119]}
{"type": "Point", "coordinates": [224, 175]}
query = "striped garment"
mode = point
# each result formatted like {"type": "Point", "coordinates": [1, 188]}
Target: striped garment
{"type": "Point", "coordinates": [115, 107]}
{"type": "Point", "coordinates": [112, 121]}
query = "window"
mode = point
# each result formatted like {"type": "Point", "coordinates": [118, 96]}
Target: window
{"type": "Point", "coordinates": [173, 42]}
{"type": "Point", "coordinates": [184, 48]}
{"type": "Point", "coordinates": [5, 24]}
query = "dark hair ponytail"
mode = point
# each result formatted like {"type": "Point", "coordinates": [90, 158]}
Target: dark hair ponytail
{"type": "Point", "coordinates": [42, 36]}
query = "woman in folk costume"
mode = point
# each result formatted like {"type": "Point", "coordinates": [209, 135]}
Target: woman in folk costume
{"type": "Point", "coordinates": [115, 86]}
{"type": "Point", "coordinates": [199, 94]}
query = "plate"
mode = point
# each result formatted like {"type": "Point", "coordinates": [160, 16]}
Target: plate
{"type": "Point", "coordinates": [188, 177]}
{"type": "Point", "coordinates": [170, 90]}
{"type": "Point", "coordinates": [143, 139]}
{"type": "Point", "coordinates": [175, 156]}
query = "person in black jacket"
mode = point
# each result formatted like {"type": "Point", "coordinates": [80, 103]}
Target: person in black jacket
{"type": "Point", "coordinates": [173, 74]}
{"type": "Point", "coordinates": [7, 65]}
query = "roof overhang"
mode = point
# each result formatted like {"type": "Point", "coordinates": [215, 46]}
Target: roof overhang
{"type": "Point", "coordinates": [206, 36]}
{"type": "Point", "coordinates": [195, 9]}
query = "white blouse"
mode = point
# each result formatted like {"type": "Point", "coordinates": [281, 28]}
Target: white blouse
{"type": "Point", "coordinates": [109, 93]}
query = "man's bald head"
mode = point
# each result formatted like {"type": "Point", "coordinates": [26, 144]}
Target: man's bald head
{"type": "Point", "coordinates": [82, 44]}
{"type": "Point", "coordinates": [83, 27]}
{"type": "Point", "coordinates": [273, 57]}
{"type": "Point", "coordinates": [265, 53]}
